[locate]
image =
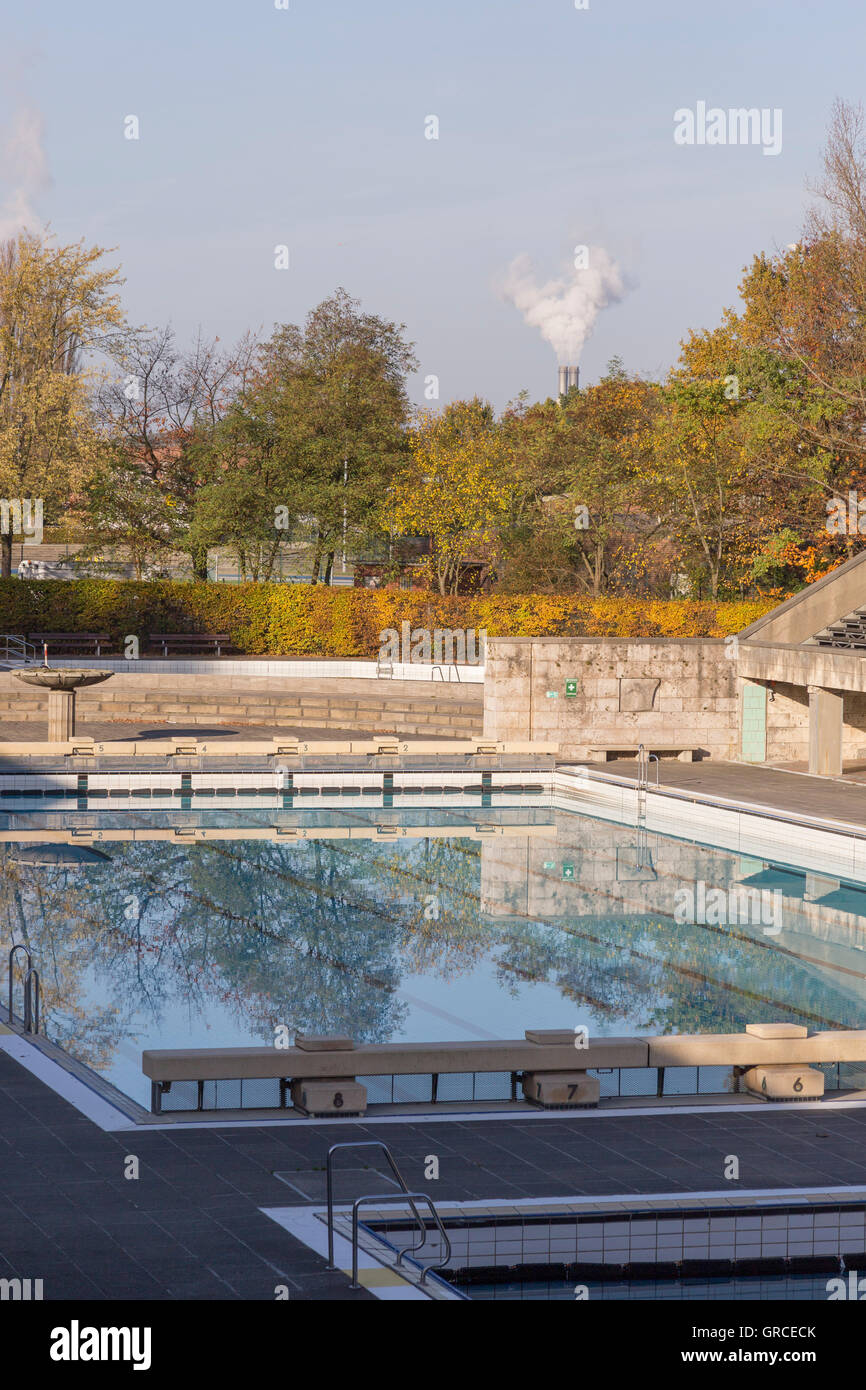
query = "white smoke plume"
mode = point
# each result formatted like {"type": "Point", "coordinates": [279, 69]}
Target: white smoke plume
{"type": "Point", "coordinates": [565, 310]}
{"type": "Point", "coordinates": [23, 173]}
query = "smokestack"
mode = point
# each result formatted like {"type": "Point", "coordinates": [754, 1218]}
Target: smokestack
{"type": "Point", "coordinates": [569, 377]}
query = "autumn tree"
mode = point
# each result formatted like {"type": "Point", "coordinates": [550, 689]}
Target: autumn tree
{"type": "Point", "coordinates": [803, 321]}
{"type": "Point", "coordinates": [57, 308]}
{"type": "Point", "coordinates": [579, 496]}
{"type": "Point", "coordinates": [455, 487]}
{"type": "Point", "coordinates": [126, 509]}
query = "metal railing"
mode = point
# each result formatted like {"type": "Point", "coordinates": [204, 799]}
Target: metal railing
{"type": "Point", "coordinates": [362, 1144]}
{"type": "Point", "coordinates": [405, 1194]}
{"type": "Point", "coordinates": [644, 758]}
{"type": "Point", "coordinates": [16, 648]}
{"type": "Point", "coordinates": [413, 1250]}
{"type": "Point", "coordinates": [30, 1016]}
{"type": "Point", "coordinates": [31, 1008]}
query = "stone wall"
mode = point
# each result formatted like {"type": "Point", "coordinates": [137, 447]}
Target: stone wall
{"type": "Point", "coordinates": [211, 698]}
{"type": "Point", "coordinates": [664, 693]}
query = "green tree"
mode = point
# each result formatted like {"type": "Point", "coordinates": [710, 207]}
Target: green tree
{"type": "Point", "coordinates": [332, 396]}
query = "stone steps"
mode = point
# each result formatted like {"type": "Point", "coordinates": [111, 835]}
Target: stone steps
{"type": "Point", "coordinates": [418, 717]}
{"type": "Point", "coordinates": [848, 633]}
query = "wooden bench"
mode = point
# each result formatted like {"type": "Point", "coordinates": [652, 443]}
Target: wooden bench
{"type": "Point", "coordinates": [92, 643]}
{"type": "Point", "coordinates": [553, 1068]}
{"type": "Point", "coordinates": [208, 642]}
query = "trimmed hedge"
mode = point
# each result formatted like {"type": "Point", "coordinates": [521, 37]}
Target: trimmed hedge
{"type": "Point", "coordinates": [305, 620]}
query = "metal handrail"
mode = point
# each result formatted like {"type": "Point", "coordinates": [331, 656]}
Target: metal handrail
{"type": "Point", "coordinates": [11, 961]}
{"type": "Point", "coordinates": [393, 1197]}
{"type": "Point", "coordinates": [644, 758]}
{"type": "Point", "coordinates": [29, 1012]}
{"type": "Point", "coordinates": [18, 647]}
{"type": "Point", "coordinates": [362, 1144]}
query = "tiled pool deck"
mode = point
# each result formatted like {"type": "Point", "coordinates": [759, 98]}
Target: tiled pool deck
{"type": "Point", "coordinates": [780, 789]}
{"type": "Point", "coordinates": [190, 1226]}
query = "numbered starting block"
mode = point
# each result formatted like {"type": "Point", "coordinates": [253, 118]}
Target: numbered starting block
{"type": "Point", "coordinates": [785, 1082]}
{"type": "Point", "coordinates": [560, 1090]}
{"type": "Point", "coordinates": [333, 1095]}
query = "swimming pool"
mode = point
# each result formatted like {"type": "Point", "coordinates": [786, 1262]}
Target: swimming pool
{"type": "Point", "coordinates": [466, 916]}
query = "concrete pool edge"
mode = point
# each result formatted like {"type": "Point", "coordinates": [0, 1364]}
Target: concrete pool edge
{"type": "Point", "coordinates": [814, 844]}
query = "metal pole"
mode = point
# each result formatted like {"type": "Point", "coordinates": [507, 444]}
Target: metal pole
{"type": "Point", "coordinates": [355, 1209]}
{"type": "Point", "coordinates": [20, 947]}
{"type": "Point", "coordinates": [330, 1264]}
{"type": "Point", "coordinates": [345, 482]}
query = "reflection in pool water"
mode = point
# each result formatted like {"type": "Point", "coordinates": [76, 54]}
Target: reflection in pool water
{"type": "Point", "coordinates": [541, 918]}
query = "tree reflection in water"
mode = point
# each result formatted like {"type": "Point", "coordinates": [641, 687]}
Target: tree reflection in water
{"type": "Point", "coordinates": [320, 934]}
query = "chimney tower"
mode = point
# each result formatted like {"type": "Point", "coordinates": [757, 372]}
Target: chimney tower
{"type": "Point", "coordinates": [569, 377]}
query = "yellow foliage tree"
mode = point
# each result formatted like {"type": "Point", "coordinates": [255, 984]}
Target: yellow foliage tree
{"type": "Point", "coordinates": [456, 488]}
{"type": "Point", "coordinates": [56, 306]}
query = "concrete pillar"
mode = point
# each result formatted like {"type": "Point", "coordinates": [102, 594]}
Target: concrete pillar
{"type": "Point", "coordinates": [825, 732]}
{"type": "Point", "coordinates": [61, 715]}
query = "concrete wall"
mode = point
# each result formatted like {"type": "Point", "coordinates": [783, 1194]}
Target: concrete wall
{"type": "Point", "coordinates": [824, 666]}
{"type": "Point", "coordinates": [664, 693]}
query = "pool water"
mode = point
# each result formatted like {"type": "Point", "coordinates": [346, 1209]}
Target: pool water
{"type": "Point", "coordinates": [442, 925]}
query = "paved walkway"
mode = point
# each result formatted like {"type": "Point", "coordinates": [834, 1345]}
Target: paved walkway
{"type": "Point", "coordinates": [780, 790]}
{"type": "Point", "coordinates": [189, 1227]}
{"type": "Point", "coordinates": [34, 730]}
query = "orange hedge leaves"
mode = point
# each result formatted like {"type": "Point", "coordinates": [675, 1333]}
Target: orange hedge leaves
{"type": "Point", "coordinates": [304, 620]}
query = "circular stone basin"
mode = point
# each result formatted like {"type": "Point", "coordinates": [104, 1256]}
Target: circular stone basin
{"type": "Point", "coordinates": [43, 855]}
{"type": "Point", "coordinates": [69, 678]}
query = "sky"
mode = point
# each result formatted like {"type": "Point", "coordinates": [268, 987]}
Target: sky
{"type": "Point", "coordinates": [306, 127]}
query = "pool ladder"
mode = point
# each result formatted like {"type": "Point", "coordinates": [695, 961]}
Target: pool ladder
{"type": "Point", "coordinates": [643, 761]}
{"type": "Point", "coordinates": [404, 1194]}
{"type": "Point", "coordinates": [32, 990]}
